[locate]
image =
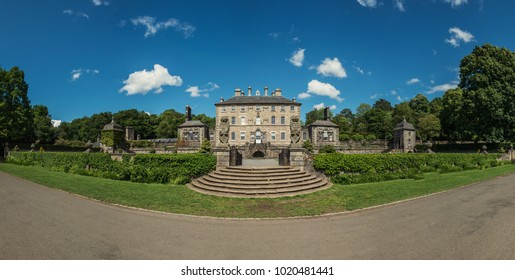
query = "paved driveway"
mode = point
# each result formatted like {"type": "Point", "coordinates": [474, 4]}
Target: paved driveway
{"type": "Point", "coordinates": [475, 222]}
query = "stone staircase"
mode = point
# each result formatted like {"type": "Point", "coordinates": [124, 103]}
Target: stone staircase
{"type": "Point", "coordinates": [239, 181]}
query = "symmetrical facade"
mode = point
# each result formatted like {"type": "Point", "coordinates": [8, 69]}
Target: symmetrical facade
{"type": "Point", "coordinates": [247, 119]}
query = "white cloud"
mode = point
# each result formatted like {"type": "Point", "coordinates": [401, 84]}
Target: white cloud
{"type": "Point", "coordinates": [457, 36]}
{"type": "Point", "coordinates": [75, 15]}
{"type": "Point", "coordinates": [304, 95]}
{"type": "Point", "coordinates": [100, 2]}
{"type": "Point", "coordinates": [368, 3]}
{"type": "Point", "coordinates": [361, 71]}
{"type": "Point", "coordinates": [322, 106]}
{"type": "Point", "coordinates": [393, 92]}
{"type": "Point", "coordinates": [152, 27]}
{"type": "Point", "coordinates": [456, 3]}
{"type": "Point", "coordinates": [274, 35]}
{"type": "Point", "coordinates": [297, 58]}
{"type": "Point", "coordinates": [77, 73]}
{"type": "Point", "coordinates": [442, 88]}
{"type": "Point", "coordinates": [399, 98]}
{"type": "Point", "coordinates": [195, 91]}
{"type": "Point", "coordinates": [56, 123]}
{"type": "Point", "coordinates": [296, 39]}
{"type": "Point", "coordinates": [331, 68]}
{"type": "Point", "coordinates": [399, 4]}
{"type": "Point", "coordinates": [324, 89]}
{"type": "Point", "coordinates": [141, 82]}
{"type": "Point", "coordinates": [413, 81]}
{"type": "Point", "coordinates": [374, 96]}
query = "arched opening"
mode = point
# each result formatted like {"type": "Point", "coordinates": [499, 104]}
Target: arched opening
{"type": "Point", "coordinates": [258, 154]}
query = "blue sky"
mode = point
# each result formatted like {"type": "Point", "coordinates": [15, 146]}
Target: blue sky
{"type": "Point", "coordinates": [88, 56]}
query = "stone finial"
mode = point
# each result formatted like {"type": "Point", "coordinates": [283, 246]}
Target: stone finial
{"type": "Point", "coordinates": [249, 91]}
{"type": "Point", "coordinates": [266, 91]}
{"type": "Point", "coordinates": [221, 99]}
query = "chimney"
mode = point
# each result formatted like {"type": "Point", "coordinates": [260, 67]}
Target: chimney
{"type": "Point", "coordinates": [237, 92]}
{"type": "Point", "coordinates": [188, 113]}
{"type": "Point", "coordinates": [326, 113]}
{"type": "Point", "coordinates": [221, 99]}
{"type": "Point", "coordinates": [294, 99]}
{"type": "Point", "coordinates": [249, 91]}
{"type": "Point", "coordinates": [273, 93]}
{"type": "Point", "coordinates": [266, 91]}
{"type": "Point", "coordinates": [278, 92]}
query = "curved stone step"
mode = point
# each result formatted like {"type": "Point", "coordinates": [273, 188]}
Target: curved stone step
{"type": "Point", "coordinates": [256, 186]}
{"type": "Point", "coordinates": [257, 178]}
{"type": "Point", "coordinates": [262, 181]}
{"type": "Point", "coordinates": [256, 174]}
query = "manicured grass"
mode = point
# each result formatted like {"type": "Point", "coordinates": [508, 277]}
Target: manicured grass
{"type": "Point", "coordinates": [180, 199]}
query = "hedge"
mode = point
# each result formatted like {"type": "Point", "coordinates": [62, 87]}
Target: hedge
{"type": "Point", "coordinates": [343, 167]}
{"type": "Point", "coordinates": [172, 168]}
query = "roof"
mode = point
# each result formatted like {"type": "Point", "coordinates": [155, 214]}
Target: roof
{"type": "Point", "coordinates": [236, 100]}
{"type": "Point", "coordinates": [112, 126]}
{"type": "Point", "coordinates": [323, 123]}
{"type": "Point", "coordinates": [404, 125]}
{"type": "Point", "coordinates": [194, 123]}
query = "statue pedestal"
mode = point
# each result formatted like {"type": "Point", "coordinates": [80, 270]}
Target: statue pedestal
{"type": "Point", "coordinates": [222, 156]}
{"type": "Point", "coordinates": [297, 157]}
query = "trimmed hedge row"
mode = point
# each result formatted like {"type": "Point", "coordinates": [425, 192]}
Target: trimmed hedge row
{"type": "Point", "coordinates": [149, 168]}
{"type": "Point", "coordinates": [345, 168]}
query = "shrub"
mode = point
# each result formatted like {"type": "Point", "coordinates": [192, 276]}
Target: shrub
{"type": "Point", "coordinates": [328, 149]}
{"type": "Point", "coordinates": [205, 146]}
{"type": "Point", "coordinates": [308, 146]}
{"type": "Point", "coordinates": [371, 137]}
{"type": "Point", "coordinates": [344, 137]}
{"type": "Point", "coordinates": [357, 137]}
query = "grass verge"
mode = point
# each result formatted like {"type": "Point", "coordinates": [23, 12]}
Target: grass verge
{"type": "Point", "coordinates": [181, 200]}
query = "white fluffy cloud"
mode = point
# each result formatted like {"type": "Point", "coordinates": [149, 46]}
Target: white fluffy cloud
{"type": "Point", "coordinates": [374, 96]}
{"type": "Point", "coordinates": [412, 81]}
{"type": "Point", "coordinates": [152, 26]}
{"type": "Point", "coordinates": [322, 106]}
{"type": "Point", "coordinates": [457, 36]}
{"type": "Point", "coordinates": [75, 14]}
{"type": "Point", "coordinates": [195, 91]}
{"type": "Point", "coordinates": [399, 4]}
{"type": "Point", "coordinates": [368, 3]}
{"type": "Point", "coordinates": [100, 2]}
{"type": "Point", "coordinates": [77, 73]}
{"type": "Point", "coordinates": [324, 89]}
{"type": "Point", "coordinates": [456, 3]}
{"type": "Point", "coordinates": [304, 95]}
{"type": "Point", "coordinates": [56, 123]}
{"type": "Point", "coordinates": [141, 82]}
{"type": "Point", "coordinates": [442, 88]}
{"type": "Point", "coordinates": [331, 68]}
{"type": "Point", "coordinates": [297, 58]}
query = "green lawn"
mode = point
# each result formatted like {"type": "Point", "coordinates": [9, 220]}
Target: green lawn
{"type": "Point", "coordinates": [179, 199]}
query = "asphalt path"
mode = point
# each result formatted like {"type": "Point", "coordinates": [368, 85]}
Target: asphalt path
{"type": "Point", "coordinates": [473, 222]}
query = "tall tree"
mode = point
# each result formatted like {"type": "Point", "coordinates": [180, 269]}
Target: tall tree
{"type": "Point", "coordinates": [383, 104]}
{"type": "Point", "coordinates": [450, 116]}
{"type": "Point", "coordinates": [43, 129]}
{"type": "Point", "coordinates": [420, 104]}
{"type": "Point", "coordinates": [316, 114]}
{"type": "Point", "coordinates": [169, 120]}
{"type": "Point", "coordinates": [428, 127]}
{"type": "Point", "coordinates": [487, 78]}
{"type": "Point", "coordinates": [16, 118]}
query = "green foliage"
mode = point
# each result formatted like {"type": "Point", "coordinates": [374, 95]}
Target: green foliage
{"type": "Point", "coordinates": [357, 137]}
{"type": "Point", "coordinates": [140, 143]}
{"type": "Point", "coordinates": [347, 179]}
{"type": "Point", "coordinates": [334, 164]}
{"type": "Point", "coordinates": [43, 128]}
{"type": "Point", "coordinates": [316, 114]}
{"type": "Point", "coordinates": [113, 138]}
{"type": "Point", "coordinates": [308, 146]}
{"type": "Point", "coordinates": [371, 137]}
{"type": "Point", "coordinates": [205, 146]}
{"type": "Point", "coordinates": [327, 149]}
{"type": "Point", "coordinates": [140, 168]}
{"type": "Point", "coordinates": [428, 127]}
{"type": "Point", "coordinates": [344, 137]}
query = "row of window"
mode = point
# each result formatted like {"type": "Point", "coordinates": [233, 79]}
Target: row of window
{"type": "Point", "coordinates": [243, 120]}
{"type": "Point", "coordinates": [243, 135]}
{"type": "Point", "coordinates": [258, 108]}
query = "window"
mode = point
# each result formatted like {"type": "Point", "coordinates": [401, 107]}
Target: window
{"type": "Point", "coordinates": [224, 108]}
{"type": "Point", "coordinates": [273, 108]}
{"type": "Point", "coordinates": [272, 135]}
{"type": "Point", "coordinates": [326, 135]}
{"type": "Point", "coordinates": [233, 120]}
{"type": "Point", "coordinates": [273, 119]}
{"type": "Point", "coordinates": [242, 109]}
{"type": "Point", "coordinates": [292, 108]}
{"type": "Point", "coordinates": [282, 108]}
{"type": "Point", "coordinates": [283, 120]}
{"type": "Point", "coordinates": [283, 135]}
{"type": "Point", "coordinates": [258, 107]}
{"type": "Point", "coordinates": [233, 108]}
{"type": "Point", "coordinates": [242, 135]}
{"type": "Point", "coordinates": [233, 136]}
{"type": "Point", "coordinates": [305, 135]}
{"type": "Point", "coordinates": [242, 121]}
{"type": "Point", "coordinates": [258, 120]}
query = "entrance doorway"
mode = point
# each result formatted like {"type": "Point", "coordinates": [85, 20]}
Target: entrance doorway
{"type": "Point", "coordinates": [258, 154]}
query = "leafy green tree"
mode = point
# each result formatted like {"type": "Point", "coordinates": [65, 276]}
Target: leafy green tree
{"type": "Point", "coordinates": [16, 118]}
{"type": "Point", "coordinates": [436, 106]}
{"type": "Point", "coordinates": [429, 127]}
{"type": "Point", "coordinates": [43, 128]}
{"type": "Point", "coordinates": [451, 119]}
{"type": "Point", "coordinates": [362, 109]}
{"type": "Point", "coordinates": [316, 114]}
{"type": "Point", "coordinates": [138, 120]}
{"type": "Point", "coordinates": [379, 123]}
{"type": "Point", "coordinates": [403, 111]}
{"type": "Point", "coordinates": [420, 104]}
{"type": "Point", "coordinates": [383, 104]}
{"type": "Point", "coordinates": [487, 78]}
{"type": "Point", "coordinates": [169, 121]}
